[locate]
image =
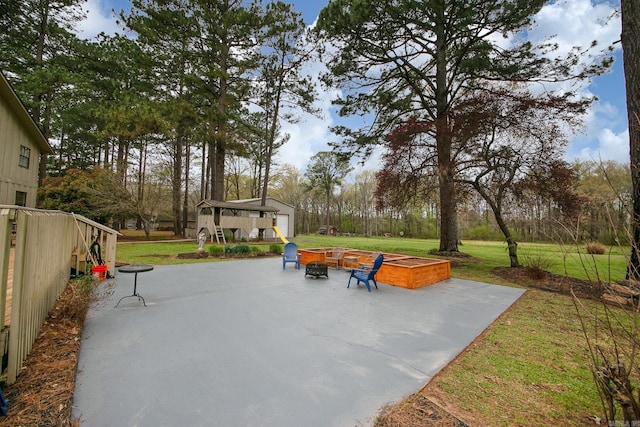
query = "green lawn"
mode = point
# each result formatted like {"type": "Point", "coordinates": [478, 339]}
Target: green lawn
{"type": "Point", "coordinates": [569, 261]}
{"type": "Point", "coordinates": [530, 367]}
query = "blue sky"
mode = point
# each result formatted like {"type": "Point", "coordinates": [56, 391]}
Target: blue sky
{"type": "Point", "coordinates": [572, 22]}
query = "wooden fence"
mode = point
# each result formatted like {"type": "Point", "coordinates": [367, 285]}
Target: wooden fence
{"type": "Point", "coordinates": [38, 252]}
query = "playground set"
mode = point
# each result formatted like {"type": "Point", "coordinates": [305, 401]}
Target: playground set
{"type": "Point", "coordinates": [215, 216]}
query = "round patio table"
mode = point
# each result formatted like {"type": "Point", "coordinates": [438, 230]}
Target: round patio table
{"type": "Point", "coordinates": [135, 268]}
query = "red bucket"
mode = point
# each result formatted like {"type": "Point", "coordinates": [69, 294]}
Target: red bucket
{"type": "Point", "coordinates": [99, 272]}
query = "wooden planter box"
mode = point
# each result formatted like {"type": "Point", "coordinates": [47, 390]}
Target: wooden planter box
{"type": "Point", "coordinates": [312, 255]}
{"type": "Point", "coordinates": [397, 270]}
{"type": "Point", "coordinates": [414, 272]}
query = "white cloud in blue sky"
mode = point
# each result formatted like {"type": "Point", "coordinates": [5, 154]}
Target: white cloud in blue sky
{"type": "Point", "coordinates": [572, 22]}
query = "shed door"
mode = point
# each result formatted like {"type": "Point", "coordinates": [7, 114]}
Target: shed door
{"type": "Point", "coordinates": [283, 224]}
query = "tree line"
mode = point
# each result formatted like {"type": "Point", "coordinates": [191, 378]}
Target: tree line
{"type": "Point", "coordinates": [185, 86]}
{"type": "Point", "coordinates": [192, 95]}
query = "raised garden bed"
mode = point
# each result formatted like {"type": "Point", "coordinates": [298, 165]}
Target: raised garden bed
{"type": "Point", "coordinates": [397, 270]}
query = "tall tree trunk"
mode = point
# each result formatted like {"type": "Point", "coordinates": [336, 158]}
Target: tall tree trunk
{"type": "Point", "coordinates": [121, 162]}
{"type": "Point", "coordinates": [221, 131]}
{"type": "Point", "coordinates": [204, 172]}
{"type": "Point", "coordinates": [177, 186]}
{"type": "Point", "coordinates": [446, 170]}
{"type": "Point", "coordinates": [38, 114]}
{"type": "Point", "coordinates": [217, 185]}
{"type": "Point", "coordinates": [631, 57]}
{"type": "Point", "coordinates": [185, 203]}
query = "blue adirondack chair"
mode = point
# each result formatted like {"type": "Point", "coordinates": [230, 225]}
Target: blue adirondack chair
{"type": "Point", "coordinates": [291, 255]}
{"type": "Point", "coordinates": [367, 274]}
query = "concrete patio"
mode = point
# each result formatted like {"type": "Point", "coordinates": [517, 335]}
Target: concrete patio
{"type": "Point", "coordinates": [245, 343]}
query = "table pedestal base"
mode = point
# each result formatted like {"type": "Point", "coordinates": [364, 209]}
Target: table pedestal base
{"type": "Point", "coordinates": [134, 295]}
{"type": "Point", "coordinates": [135, 269]}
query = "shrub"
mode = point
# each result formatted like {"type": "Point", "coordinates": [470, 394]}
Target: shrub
{"type": "Point", "coordinates": [484, 232]}
{"type": "Point", "coordinates": [537, 265]}
{"type": "Point", "coordinates": [216, 250]}
{"type": "Point", "coordinates": [237, 249]}
{"type": "Point", "coordinates": [595, 248]}
{"type": "Point", "coordinates": [243, 249]}
{"type": "Point", "coordinates": [275, 248]}
{"type": "Point", "coordinates": [255, 249]}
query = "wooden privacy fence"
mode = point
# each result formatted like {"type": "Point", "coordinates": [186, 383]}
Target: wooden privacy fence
{"type": "Point", "coordinates": [38, 251]}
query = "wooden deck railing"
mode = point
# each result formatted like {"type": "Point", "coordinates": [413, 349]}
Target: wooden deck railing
{"type": "Point", "coordinates": [33, 273]}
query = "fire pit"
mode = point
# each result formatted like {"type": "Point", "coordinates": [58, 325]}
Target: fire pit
{"type": "Point", "coordinates": [316, 269]}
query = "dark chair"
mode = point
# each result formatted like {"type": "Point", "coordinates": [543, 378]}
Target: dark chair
{"type": "Point", "coordinates": [291, 255]}
{"type": "Point", "coordinates": [365, 275]}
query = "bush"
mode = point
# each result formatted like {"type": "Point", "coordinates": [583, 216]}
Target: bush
{"type": "Point", "coordinates": [483, 232]}
{"type": "Point", "coordinates": [275, 248]}
{"type": "Point", "coordinates": [243, 249]}
{"type": "Point", "coordinates": [216, 250]}
{"type": "Point", "coordinates": [595, 248]}
{"type": "Point", "coordinates": [237, 249]}
{"type": "Point", "coordinates": [537, 265]}
{"type": "Point", "coordinates": [255, 249]}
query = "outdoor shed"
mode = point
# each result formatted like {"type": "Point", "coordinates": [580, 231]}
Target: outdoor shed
{"type": "Point", "coordinates": [215, 216]}
{"type": "Point", "coordinates": [21, 143]}
{"type": "Point", "coordinates": [285, 216]}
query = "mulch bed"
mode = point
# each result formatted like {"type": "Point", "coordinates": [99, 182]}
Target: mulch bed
{"type": "Point", "coordinates": [538, 279]}
{"type": "Point", "coordinates": [43, 392]}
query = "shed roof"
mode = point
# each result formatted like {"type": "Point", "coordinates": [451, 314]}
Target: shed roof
{"type": "Point", "coordinates": [7, 93]}
{"type": "Point", "coordinates": [236, 205]}
{"type": "Point", "coordinates": [268, 198]}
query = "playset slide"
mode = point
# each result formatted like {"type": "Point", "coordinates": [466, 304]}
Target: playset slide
{"type": "Point", "coordinates": [279, 233]}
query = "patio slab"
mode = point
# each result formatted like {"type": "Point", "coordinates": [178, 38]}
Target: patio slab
{"type": "Point", "coordinates": [245, 343]}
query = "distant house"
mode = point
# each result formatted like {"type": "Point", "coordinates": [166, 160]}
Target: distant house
{"type": "Point", "coordinates": [323, 230]}
{"type": "Point", "coordinates": [21, 143]}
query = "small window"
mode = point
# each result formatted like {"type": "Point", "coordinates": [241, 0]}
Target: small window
{"type": "Point", "coordinates": [25, 155]}
{"type": "Point", "coordinates": [21, 198]}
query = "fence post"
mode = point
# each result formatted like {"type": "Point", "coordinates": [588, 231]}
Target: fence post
{"type": "Point", "coordinates": [5, 248]}
{"type": "Point", "coordinates": [15, 355]}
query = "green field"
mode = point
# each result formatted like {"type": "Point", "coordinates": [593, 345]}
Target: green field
{"type": "Point", "coordinates": [570, 261]}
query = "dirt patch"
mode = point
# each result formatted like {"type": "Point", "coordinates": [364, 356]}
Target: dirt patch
{"type": "Point", "coordinates": [417, 410]}
{"type": "Point", "coordinates": [534, 278]}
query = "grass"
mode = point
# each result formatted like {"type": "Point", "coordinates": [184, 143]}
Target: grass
{"type": "Point", "coordinates": [531, 367]}
{"type": "Point", "coordinates": [570, 261]}
{"type": "Point", "coordinates": [165, 253]}
{"type": "Point", "coordinates": [531, 364]}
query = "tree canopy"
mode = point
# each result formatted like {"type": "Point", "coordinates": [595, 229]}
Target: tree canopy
{"type": "Point", "coordinates": [417, 60]}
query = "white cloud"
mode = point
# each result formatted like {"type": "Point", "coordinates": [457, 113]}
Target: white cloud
{"type": "Point", "coordinates": [609, 146]}
{"type": "Point", "coordinates": [99, 19]}
{"type": "Point", "coordinates": [577, 23]}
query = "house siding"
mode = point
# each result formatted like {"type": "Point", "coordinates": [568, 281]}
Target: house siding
{"type": "Point", "coordinates": [17, 129]}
